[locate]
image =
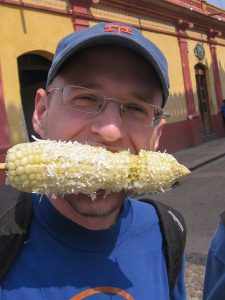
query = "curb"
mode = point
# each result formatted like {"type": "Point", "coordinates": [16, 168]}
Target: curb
{"type": "Point", "coordinates": [194, 167]}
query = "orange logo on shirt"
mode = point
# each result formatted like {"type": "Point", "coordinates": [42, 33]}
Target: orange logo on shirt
{"type": "Point", "coordinates": [118, 29]}
{"type": "Point", "coordinates": [102, 289]}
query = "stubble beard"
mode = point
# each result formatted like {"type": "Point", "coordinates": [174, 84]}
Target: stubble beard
{"type": "Point", "coordinates": [101, 207]}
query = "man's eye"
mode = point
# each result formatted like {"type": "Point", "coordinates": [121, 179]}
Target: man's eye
{"type": "Point", "coordinates": [135, 108]}
{"type": "Point", "coordinates": [87, 98]}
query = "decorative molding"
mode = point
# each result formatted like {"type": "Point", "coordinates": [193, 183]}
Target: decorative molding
{"type": "Point", "coordinates": [169, 10]}
{"type": "Point", "coordinates": [199, 51]}
{"type": "Point", "coordinates": [212, 34]}
{"type": "Point", "coordinates": [80, 13]}
{"type": "Point", "coordinates": [184, 25]}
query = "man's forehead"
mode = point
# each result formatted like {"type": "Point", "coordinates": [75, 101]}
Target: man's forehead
{"type": "Point", "coordinates": [104, 54]}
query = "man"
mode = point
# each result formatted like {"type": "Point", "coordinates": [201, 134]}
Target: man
{"type": "Point", "coordinates": [106, 87]}
{"type": "Point", "coordinates": [214, 284]}
{"type": "Point", "coordinates": [223, 110]}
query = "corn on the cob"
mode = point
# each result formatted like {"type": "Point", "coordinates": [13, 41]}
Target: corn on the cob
{"type": "Point", "coordinates": [62, 168]}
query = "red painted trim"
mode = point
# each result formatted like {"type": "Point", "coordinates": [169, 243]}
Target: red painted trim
{"type": "Point", "coordinates": [79, 24]}
{"type": "Point", "coordinates": [216, 74]}
{"type": "Point", "coordinates": [80, 14]}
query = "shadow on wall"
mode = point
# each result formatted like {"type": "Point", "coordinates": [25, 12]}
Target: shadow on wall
{"type": "Point", "coordinates": [176, 107]}
{"type": "Point", "coordinates": [17, 126]}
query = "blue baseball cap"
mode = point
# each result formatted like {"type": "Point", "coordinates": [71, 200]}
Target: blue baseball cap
{"type": "Point", "coordinates": [113, 34]}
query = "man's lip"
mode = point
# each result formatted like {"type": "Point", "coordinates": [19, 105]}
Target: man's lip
{"type": "Point", "coordinates": [105, 147]}
{"type": "Point", "coordinates": [109, 148]}
{"type": "Point", "coordinates": [100, 193]}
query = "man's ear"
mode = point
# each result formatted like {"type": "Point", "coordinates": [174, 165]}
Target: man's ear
{"type": "Point", "coordinates": [40, 113]}
{"type": "Point", "coordinates": [154, 141]}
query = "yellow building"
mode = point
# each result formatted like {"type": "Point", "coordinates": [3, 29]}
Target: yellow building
{"type": "Point", "coordinates": [191, 33]}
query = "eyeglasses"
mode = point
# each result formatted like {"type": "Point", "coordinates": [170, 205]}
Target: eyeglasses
{"type": "Point", "coordinates": [92, 102]}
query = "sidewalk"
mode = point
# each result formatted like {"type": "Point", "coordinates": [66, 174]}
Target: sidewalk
{"type": "Point", "coordinates": [200, 155]}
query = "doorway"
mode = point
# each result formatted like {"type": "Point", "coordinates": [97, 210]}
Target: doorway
{"type": "Point", "coordinates": [33, 71]}
{"type": "Point", "coordinates": [203, 99]}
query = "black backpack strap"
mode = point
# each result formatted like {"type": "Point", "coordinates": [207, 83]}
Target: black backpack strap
{"type": "Point", "coordinates": [222, 218]}
{"type": "Point", "coordinates": [174, 235]}
{"type": "Point", "coordinates": [15, 217]}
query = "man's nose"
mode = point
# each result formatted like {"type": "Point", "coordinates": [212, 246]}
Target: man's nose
{"type": "Point", "coordinates": [109, 123]}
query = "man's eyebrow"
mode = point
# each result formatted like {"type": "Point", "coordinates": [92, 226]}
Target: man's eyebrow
{"type": "Point", "coordinates": [93, 86]}
{"type": "Point", "coordinates": [142, 96]}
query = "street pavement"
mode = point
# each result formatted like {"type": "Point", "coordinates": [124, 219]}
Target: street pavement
{"type": "Point", "coordinates": [194, 158]}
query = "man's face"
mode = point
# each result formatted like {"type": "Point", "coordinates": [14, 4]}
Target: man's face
{"type": "Point", "coordinates": [114, 72]}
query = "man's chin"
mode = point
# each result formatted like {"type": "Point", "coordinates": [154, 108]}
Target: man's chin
{"type": "Point", "coordinates": [102, 206]}
{"type": "Point", "coordinates": [100, 194]}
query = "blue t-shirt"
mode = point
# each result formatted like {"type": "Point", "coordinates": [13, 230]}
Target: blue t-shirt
{"type": "Point", "coordinates": [62, 260]}
{"type": "Point", "coordinates": [214, 285]}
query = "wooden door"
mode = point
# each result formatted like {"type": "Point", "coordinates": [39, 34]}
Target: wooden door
{"type": "Point", "coordinates": [203, 99]}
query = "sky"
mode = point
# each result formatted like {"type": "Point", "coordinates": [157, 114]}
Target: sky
{"type": "Point", "coordinates": [218, 3]}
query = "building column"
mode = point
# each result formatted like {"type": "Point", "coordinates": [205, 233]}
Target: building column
{"type": "Point", "coordinates": [193, 118]}
{"type": "Point", "coordinates": [80, 13]}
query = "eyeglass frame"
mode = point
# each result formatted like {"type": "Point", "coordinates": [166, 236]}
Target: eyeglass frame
{"type": "Point", "coordinates": [108, 100]}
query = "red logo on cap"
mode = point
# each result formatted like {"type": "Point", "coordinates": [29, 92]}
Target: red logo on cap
{"type": "Point", "coordinates": [118, 29]}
